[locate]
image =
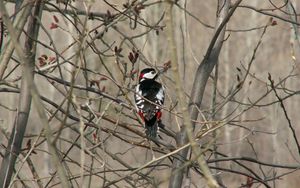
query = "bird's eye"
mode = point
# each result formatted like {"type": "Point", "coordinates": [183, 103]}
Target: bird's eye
{"type": "Point", "coordinates": [152, 72]}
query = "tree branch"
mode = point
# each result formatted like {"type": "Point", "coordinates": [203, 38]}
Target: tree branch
{"type": "Point", "coordinates": [188, 127]}
{"type": "Point", "coordinates": [16, 138]}
{"type": "Point", "coordinates": [201, 77]}
{"type": "Point", "coordinates": [19, 24]}
{"type": "Point", "coordinates": [285, 113]}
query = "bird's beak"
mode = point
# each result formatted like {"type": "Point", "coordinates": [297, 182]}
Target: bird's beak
{"type": "Point", "coordinates": [158, 73]}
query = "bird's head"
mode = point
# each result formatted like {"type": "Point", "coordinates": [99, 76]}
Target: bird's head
{"type": "Point", "coordinates": [148, 74]}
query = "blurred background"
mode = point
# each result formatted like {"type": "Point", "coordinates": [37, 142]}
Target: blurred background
{"type": "Point", "coordinates": [91, 41]}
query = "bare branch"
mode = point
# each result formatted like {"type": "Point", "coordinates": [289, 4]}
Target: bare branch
{"type": "Point", "coordinates": [285, 113]}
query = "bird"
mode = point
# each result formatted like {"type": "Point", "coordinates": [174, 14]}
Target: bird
{"type": "Point", "coordinates": [149, 99]}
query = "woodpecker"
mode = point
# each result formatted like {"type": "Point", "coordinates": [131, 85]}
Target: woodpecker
{"type": "Point", "coordinates": [149, 98]}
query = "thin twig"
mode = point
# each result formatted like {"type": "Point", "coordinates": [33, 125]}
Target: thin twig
{"type": "Point", "coordinates": [285, 112]}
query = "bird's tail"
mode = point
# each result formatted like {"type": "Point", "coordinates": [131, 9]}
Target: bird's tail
{"type": "Point", "coordinates": [152, 127]}
{"type": "Point", "coordinates": [151, 130]}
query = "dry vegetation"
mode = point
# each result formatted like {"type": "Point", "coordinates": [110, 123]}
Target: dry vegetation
{"type": "Point", "coordinates": [231, 115]}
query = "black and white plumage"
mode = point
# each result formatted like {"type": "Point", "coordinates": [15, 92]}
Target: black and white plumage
{"type": "Point", "coordinates": [149, 98]}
